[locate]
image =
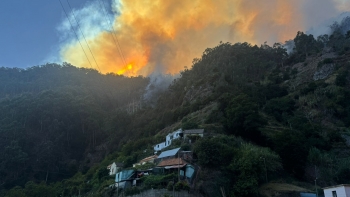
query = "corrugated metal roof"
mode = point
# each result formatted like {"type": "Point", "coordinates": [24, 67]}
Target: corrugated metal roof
{"type": "Point", "coordinates": [169, 153]}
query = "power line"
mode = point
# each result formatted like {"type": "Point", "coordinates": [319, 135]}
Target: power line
{"type": "Point", "coordinates": [115, 38]}
{"type": "Point", "coordinates": [83, 35]}
{"type": "Point", "coordinates": [75, 33]}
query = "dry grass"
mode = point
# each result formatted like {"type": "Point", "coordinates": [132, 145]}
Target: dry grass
{"type": "Point", "coordinates": [275, 189]}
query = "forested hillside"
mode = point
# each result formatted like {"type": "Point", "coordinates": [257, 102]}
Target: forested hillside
{"type": "Point", "coordinates": [268, 116]}
{"type": "Point", "coordinates": [52, 115]}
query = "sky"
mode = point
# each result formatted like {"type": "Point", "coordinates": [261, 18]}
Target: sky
{"type": "Point", "coordinates": [134, 37]}
{"type": "Point", "coordinates": [28, 30]}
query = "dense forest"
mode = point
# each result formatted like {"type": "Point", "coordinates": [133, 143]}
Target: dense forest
{"type": "Point", "coordinates": [268, 116]}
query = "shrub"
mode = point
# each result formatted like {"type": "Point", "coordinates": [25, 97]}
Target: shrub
{"type": "Point", "coordinates": [328, 61]}
{"type": "Point", "coordinates": [156, 181]}
{"type": "Point", "coordinates": [182, 186]}
{"type": "Point", "coordinates": [132, 191]}
{"type": "Point", "coordinates": [170, 185]}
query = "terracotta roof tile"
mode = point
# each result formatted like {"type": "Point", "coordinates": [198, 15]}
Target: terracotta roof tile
{"type": "Point", "coordinates": [171, 162]}
{"type": "Point", "coordinates": [149, 158]}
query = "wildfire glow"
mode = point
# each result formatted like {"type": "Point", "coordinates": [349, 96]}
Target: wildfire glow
{"type": "Point", "coordinates": [166, 35]}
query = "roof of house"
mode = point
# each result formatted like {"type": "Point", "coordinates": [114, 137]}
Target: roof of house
{"type": "Point", "coordinates": [194, 131]}
{"type": "Point", "coordinates": [342, 185]}
{"type": "Point", "coordinates": [149, 158]}
{"type": "Point", "coordinates": [124, 175]}
{"type": "Point", "coordinates": [169, 153]}
{"type": "Point", "coordinates": [177, 131]}
{"type": "Point", "coordinates": [171, 162]}
{"type": "Point", "coordinates": [307, 194]}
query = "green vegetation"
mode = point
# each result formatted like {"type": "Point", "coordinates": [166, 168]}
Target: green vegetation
{"type": "Point", "coordinates": [264, 116]}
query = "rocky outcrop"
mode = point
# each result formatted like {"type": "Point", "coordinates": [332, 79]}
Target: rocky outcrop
{"type": "Point", "coordinates": [323, 72]}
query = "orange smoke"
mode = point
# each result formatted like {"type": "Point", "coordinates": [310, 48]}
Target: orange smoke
{"type": "Point", "coordinates": [165, 36]}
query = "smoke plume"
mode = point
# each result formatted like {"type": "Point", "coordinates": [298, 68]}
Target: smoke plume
{"type": "Point", "coordinates": [164, 36]}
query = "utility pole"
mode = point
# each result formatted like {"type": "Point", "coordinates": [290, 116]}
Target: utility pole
{"type": "Point", "coordinates": [178, 166]}
{"type": "Point", "coordinates": [316, 182]}
{"type": "Point", "coordinates": [265, 168]}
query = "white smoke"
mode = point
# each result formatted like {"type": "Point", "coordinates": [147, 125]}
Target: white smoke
{"type": "Point", "coordinates": [92, 19]}
{"type": "Point", "coordinates": [289, 46]}
{"type": "Point", "coordinates": [158, 83]}
{"type": "Point", "coordinates": [324, 27]}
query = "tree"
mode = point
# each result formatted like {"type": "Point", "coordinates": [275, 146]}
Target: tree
{"type": "Point", "coordinates": [251, 166]}
{"type": "Point", "coordinates": [243, 118]}
{"type": "Point", "coordinates": [304, 43]}
{"type": "Point", "coordinates": [215, 152]}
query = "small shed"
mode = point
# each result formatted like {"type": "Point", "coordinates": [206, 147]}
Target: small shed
{"type": "Point", "coordinates": [337, 191]}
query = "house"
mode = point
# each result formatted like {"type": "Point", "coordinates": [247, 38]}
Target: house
{"type": "Point", "coordinates": [172, 136]}
{"type": "Point", "coordinates": [173, 165]}
{"type": "Point", "coordinates": [193, 132]}
{"type": "Point", "coordinates": [337, 191]}
{"type": "Point", "coordinates": [178, 165]}
{"type": "Point", "coordinates": [159, 147]}
{"type": "Point", "coordinates": [114, 167]}
{"type": "Point", "coordinates": [168, 139]}
{"type": "Point", "coordinates": [149, 159]}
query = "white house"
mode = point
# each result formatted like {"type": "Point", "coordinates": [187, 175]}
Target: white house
{"type": "Point", "coordinates": [114, 167]}
{"type": "Point", "coordinates": [159, 146]}
{"type": "Point", "coordinates": [168, 139]}
{"type": "Point", "coordinates": [337, 191]}
{"type": "Point", "coordinates": [172, 136]}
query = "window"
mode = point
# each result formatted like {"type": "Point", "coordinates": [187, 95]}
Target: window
{"type": "Point", "coordinates": [334, 193]}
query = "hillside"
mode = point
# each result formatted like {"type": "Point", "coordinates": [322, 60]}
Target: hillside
{"type": "Point", "coordinates": [263, 111]}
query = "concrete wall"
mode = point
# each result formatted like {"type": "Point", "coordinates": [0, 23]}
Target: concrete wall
{"type": "Point", "coordinates": [159, 146]}
{"type": "Point", "coordinates": [341, 192]}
